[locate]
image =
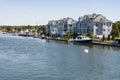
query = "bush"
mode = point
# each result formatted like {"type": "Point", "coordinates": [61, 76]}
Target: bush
{"type": "Point", "coordinates": [104, 38]}
{"type": "Point", "coordinates": [109, 38]}
{"type": "Point", "coordinates": [90, 34]}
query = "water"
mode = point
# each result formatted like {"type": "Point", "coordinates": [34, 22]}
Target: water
{"type": "Point", "coordinates": [35, 59]}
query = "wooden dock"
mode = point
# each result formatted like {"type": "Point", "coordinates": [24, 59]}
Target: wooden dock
{"type": "Point", "coordinates": [105, 43]}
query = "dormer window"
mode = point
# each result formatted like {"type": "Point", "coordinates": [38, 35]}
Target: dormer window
{"type": "Point", "coordinates": [108, 24]}
{"type": "Point", "coordinates": [101, 19]}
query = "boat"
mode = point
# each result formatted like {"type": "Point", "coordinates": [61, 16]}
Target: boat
{"type": "Point", "coordinates": [42, 37]}
{"type": "Point", "coordinates": [1, 32]}
{"type": "Point", "coordinates": [49, 38]}
{"type": "Point", "coordinates": [81, 39]}
{"type": "Point", "coordinates": [36, 36]}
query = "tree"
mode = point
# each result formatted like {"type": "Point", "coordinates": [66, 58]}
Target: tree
{"type": "Point", "coordinates": [109, 38]}
{"type": "Point", "coordinates": [104, 38]}
{"type": "Point", "coordinates": [41, 29]}
{"type": "Point", "coordinates": [65, 36]}
{"type": "Point", "coordinates": [89, 34]}
{"type": "Point", "coordinates": [116, 29]}
{"type": "Point", "coordinates": [8, 28]}
{"type": "Point", "coordinates": [1, 27]}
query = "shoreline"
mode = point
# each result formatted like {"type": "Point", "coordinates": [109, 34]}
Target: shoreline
{"type": "Point", "coordinates": [93, 42]}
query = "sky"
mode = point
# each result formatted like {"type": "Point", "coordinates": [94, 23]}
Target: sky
{"type": "Point", "coordinates": [39, 12]}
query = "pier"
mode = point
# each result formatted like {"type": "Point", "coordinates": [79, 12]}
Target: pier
{"type": "Point", "coordinates": [106, 43]}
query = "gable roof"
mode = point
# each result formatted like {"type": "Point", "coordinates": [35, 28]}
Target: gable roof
{"type": "Point", "coordinates": [101, 18]}
{"type": "Point", "coordinates": [94, 18]}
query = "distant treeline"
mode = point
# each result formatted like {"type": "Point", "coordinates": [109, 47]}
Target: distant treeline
{"type": "Point", "coordinates": [40, 28]}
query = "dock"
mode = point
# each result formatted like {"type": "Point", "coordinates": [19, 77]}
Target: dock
{"type": "Point", "coordinates": [106, 43]}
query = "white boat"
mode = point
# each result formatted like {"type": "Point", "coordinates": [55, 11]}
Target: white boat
{"type": "Point", "coordinates": [81, 39]}
{"type": "Point", "coordinates": [1, 32]}
{"type": "Point", "coordinates": [48, 38]}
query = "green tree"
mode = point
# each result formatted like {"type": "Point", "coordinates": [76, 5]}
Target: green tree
{"type": "Point", "coordinates": [109, 38]}
{"type": "Point", "coordinates": [116, 29]}
{"type": "Point", "coordinates": [41, 29]}
{"type": "Point", "coordinates": [104, 38]}
{"type": "Point", "coordinates": [89, 34]}
{"type": "Point", "coordinates": [65, 37]}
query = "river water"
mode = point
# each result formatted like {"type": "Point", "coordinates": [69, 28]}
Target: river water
{"type": "Point", "coordinates": [24, 58]}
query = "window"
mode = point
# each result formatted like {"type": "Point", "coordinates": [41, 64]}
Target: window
{"type": "Point", "coordinates": [101, 19]}
{"type": "Point", "coordinates": [80, 25]}
{"type": "Point", "coordinates": [85, 25]}
{"type": "Point", "coordinates": [96, 24]}
{"type": "Point", "coordinates": [108, 24]}
{"type": "Point", "coordinates": [96, 30]}
{"type": "Point", "coordinates": [104, 30]}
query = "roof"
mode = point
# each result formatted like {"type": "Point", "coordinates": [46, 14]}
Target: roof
{"type": "Point", "coordinates": [101, 18]}
{"type": "Point", "coordinates": [94, 18]}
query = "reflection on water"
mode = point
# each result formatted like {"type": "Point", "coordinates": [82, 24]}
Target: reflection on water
{"type": "Point", "coordinates": [24, 58]}
{"type": "Point", "coordinates": [89, 45]}
{"type": "Point", "coordinates": [59, 42]}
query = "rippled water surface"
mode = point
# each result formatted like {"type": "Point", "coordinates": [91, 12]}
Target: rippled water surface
{"type": "Point", "coordinates": [24, 58]}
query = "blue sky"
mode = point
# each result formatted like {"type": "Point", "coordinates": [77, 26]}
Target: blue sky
{"type": "Point", "coordinates": [38, 12]}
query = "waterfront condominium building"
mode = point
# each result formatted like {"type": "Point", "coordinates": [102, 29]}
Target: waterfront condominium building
{"type": "Point", "coordinates": [59, 27]}
{"type": "Point", "coordinates": [98, 24]}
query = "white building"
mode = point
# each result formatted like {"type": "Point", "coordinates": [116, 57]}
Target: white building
{"type": "Point", "coordinates": [59, 27]}
{"type": "Point", "coordinates": [95, 23]}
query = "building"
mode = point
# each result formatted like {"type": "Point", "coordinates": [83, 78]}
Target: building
{"type": "Point", "coordinates": [59, 27]}
{"type": "Point", "coordinates": [98, 24]}
{"type": "Point", "coordinates": [2, 31]}
{"type": "Point", "coordinates": [95, 23]}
